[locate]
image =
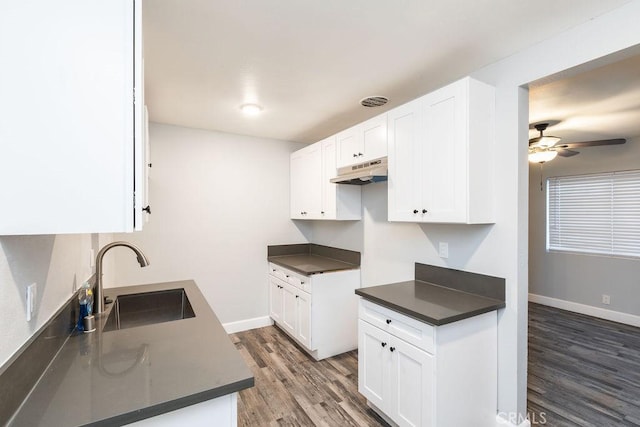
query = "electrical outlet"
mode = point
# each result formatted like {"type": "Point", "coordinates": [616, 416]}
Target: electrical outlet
{"type": "Point", "coordinates": [443, 250]}
{"type": "Point", "coordinates": [32, 294]}
{"type": "Point", "coordinates": [606, 299]}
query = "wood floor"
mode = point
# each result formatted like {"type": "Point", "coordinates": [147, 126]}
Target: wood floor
{"type": "Point", "coordinates": [583, 371]}
{"type": "Point", "coordinates": [292, 389]}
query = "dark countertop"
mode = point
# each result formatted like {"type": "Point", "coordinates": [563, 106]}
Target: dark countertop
{"type": "Point", "coordinates": [310, 258]}
{"type": "Point", "coordinates": [309, 264]}
{"type": "Point", "coordinates": [433, 304]}
{"type": "Point", "coordinates": [121, 376]}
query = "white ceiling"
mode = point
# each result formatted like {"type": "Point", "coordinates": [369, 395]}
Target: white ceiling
{"type": "Point", "coordinates": [308, 63]}
{"type": "Point", "coordinates": [600, 103]}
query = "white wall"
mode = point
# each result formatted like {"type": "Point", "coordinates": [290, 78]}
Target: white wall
{"type": "Point", "coordinates": [581, 278]}
{"type": "Point", "coordinates": [217, 201]}
{"type": "Point", "coordinates": [57, 264]}
{"type": "Point", "coordinates": [389, 250]}
{"type": "Point", "coordinates": [580, 45]}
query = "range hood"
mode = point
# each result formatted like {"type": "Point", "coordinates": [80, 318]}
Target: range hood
{"type": "Point", "coordinates": [363, 173]}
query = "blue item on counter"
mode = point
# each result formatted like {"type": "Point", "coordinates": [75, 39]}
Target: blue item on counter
{"type": "Point", "coordinates": [85, 298]}
{"type": "Point", "coordinates": [83, 313]}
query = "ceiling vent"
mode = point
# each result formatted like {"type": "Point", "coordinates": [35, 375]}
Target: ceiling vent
{"type": "Point", "coordinates": [373, 101]}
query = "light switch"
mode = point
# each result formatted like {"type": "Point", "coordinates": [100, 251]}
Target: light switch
{"type": "Point", "coordinates": [443, 250]}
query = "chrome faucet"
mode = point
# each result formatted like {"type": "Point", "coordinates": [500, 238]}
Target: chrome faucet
{"type": "Point", "coordinates": [99, 293]}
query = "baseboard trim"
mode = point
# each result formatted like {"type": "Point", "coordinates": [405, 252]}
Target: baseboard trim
{"type": "Point", "coordinates": [245, 325]}
{"type": "Point", "coordinates": [615, 316]}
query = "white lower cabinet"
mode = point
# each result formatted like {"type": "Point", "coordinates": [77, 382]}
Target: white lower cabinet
{"type": "Point", "coordinates": [432, 376]}
{"type": "Point", "coordinates": [319, 312]}
{"type": "Point", "coordinates": [220, 412]}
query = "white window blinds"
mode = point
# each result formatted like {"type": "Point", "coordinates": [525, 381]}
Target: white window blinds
{"type": "Point", "coordinates": [598, 214]}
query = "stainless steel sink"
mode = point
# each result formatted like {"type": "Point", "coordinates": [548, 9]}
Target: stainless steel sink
{"type": "Point", "coordinates": [148, 308]}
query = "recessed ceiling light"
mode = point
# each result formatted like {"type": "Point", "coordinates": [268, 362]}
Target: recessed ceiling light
{"type": "Point", "coordinates": [251, 109]}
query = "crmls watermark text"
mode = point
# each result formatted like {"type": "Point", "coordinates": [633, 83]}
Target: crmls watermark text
{"type": "Point", "coordinates": [535, 418]}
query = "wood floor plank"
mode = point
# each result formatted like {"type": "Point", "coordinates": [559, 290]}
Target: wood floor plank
{"type": "Point", "coordinates": [583, 371]}
{"type": "Point", "coordinates": [292, 389]}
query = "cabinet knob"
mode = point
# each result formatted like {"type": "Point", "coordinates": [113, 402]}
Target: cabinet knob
{"type": "Point", "coordinates": [322, 212]}
{"type": "Point", "coordinates": [392, 349]}
{"type": "Point", "coordinates": [383, 344]}
{"type": "Point", "coordinates": [388, 321]}
{"type": "Point", "coordinates": [286, 275]}
{"type": "Point", "coordinates": [355, 155]}
{"type": "Point", "coordinates": [147, 209]}
{"type": "Point", "coordinates": [415, 211]}
{"type": "Point", "coordinates": [424, 211]}
{"type": "Point", "coordinates": [360, 154]}
{"type": "Point", "coordinates": [297, 296]}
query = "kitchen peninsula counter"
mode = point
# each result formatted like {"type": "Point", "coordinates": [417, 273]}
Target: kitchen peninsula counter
{"type": "Point", "coordinates": [122, 376]}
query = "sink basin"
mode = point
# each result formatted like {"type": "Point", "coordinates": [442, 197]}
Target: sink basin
{"type": "Point", "coordinates": [148, 308]}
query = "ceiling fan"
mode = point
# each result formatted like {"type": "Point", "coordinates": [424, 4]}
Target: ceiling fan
{"type": "Point", "coordinates": [544, 148]}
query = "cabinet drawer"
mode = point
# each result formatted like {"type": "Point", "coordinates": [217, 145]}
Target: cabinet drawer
{"type": "Point", "coordinates": [277, 271]}
{"type": "Point", "coordinates": [294, 279]}
{"type": "Point", "coordinates": [404, 327]}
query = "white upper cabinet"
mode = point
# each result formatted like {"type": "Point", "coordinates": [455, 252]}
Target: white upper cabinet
{"type": "Point", "coordinates": [306, 182]}
{"type": "Point", "coordinates": [70, 132]}
{"type": "Point", "coordinates": [441, 156]}
{"type": "Point", "coordinates": [313, 196]}
{"type": "Point", "coordinates": [363, 142]}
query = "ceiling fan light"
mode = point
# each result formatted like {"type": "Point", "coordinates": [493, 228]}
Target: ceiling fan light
{"type": "Point", "coordinates": [544, 141]}
{"type": "Point", "coordinates": [542, 156]}
{"type": "Point", "coordinates": [548, 141]}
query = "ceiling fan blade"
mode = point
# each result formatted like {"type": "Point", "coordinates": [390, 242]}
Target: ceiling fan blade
{"type": "Point", "coordinates": [566, 153]}
{"type": "Point", "coordinates": [593, 143]}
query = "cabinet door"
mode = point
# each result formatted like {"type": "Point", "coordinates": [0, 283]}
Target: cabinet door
{"type": "Point", "coordinates": [444, 157]}
{"type": "Point", "coordinates": [329, 189]}
{"type": "Point", "coordinates": [374, 138]}
{"type": "Point", "coordinates": [67, 116]}
{"type": "Point", "coordinates": [405, 175]}
{"type": "Point", "coordinates": [289, 308]}
{"type": "Point", "coordinates": [411, 389]}
{"type": "Point", "coordinates": [275, 299]}
{"type": "Point", "coordinates": [303, 332]}
{"type": "Point", "coordinates": [297, 177]}
{"type": "Point", "coordinates": [349, 146]}
{"type": "Point", "coordinates": [373, 363]}
{"type": "Point", "coordinates": [306, 181]}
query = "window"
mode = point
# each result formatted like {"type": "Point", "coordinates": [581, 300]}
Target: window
{"type": "Point", "coordinates": [596, 214]}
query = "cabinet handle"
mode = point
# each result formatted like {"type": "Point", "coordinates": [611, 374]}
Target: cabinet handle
{"type": "Point", "coordinates": [147, 209]}
{"type": "Point", "coordinates": [392, 349]}
{"type": "Point", "coordinates": [384, 344]}
{"type": "Point", "coordinates": [388, 321]}
{"type": "Point", "coordinates": [424, 211]}
{"type": "Point", "coordinates": [415, 211]}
